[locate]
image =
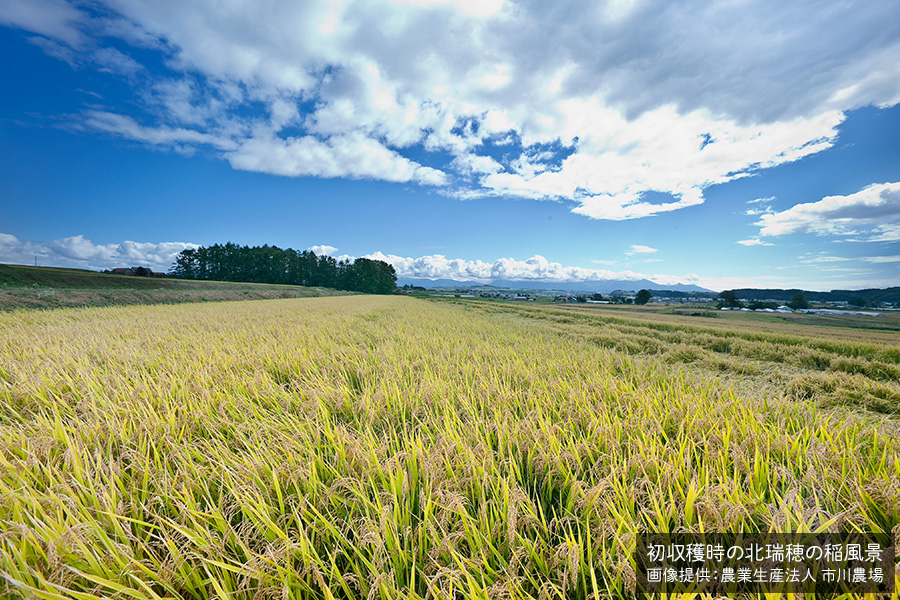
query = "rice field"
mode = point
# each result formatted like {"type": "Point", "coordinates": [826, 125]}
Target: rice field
{"type": "Point", "coordinates": [386, 447]}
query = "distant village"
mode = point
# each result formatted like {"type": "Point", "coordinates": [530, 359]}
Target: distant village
{"type": "Point", "coordinates": [725, 301]}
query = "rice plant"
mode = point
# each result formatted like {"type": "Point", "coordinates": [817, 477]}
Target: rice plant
{"type": "Point", "coordinates": [386, 447]}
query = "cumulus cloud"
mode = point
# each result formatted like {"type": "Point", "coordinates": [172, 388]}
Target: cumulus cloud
{"type": "Point", "coordinates": [80, 252]}
{"type": "Point", "coordinates": [638, 97]}
{"type": "Point", "coordinates": [812, 274]}
{"type": "Point", "coordinates": [323, 250]}
{"type": "Point", "coordinates": [871, 214]}
{"type": "Point", "coordinates": [536, 269]}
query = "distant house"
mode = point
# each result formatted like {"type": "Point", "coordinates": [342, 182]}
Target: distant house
{"type": "Point", "coordinates": [123, 271]}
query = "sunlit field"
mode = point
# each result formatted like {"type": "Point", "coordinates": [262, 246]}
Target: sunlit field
{"type": "Point", "coordinates": [386, 447]}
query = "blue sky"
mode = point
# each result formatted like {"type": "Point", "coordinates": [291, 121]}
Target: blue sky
{"type": "Point", "coordinates": [723, 144]}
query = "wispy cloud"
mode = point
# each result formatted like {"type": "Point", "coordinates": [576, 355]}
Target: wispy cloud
{"type": "Point", "coordinates": [889, 232]}
{"type": "Point", "coordinates": [753, 212]}
{"type": "Point", "coordinates": [56, 19]}
{"type": "Point", "coordinates": [754, 242]}
{"type": "Point", "coordinates": [882, 259]}
{"type": "Point", "coordinates": [176, 137]}
{"type": "Point", "coordinates": [823, 258]}
{"type": "Point", "coordinates": [638, 249]}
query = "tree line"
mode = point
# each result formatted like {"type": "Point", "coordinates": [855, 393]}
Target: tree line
{"type": "Point", "coordinates": [729, 299]}
{"type": "Point", "coordinates": [270, 264]}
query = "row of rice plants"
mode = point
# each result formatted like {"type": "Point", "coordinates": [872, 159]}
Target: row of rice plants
{"type": "Point", "coordinates": [834, 373]}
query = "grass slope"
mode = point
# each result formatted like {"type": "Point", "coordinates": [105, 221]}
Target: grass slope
{"type": "Point", "coordinates": [387, 447]}
{"type": "Point", "coordinates": [50, 287]}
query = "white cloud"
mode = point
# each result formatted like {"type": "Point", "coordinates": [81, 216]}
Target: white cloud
{"type": "Point", "coordinates": [476, 8]}
{"type": "Point", "coordinates": [617, 160]}
{"type": "Point", "coordinates": [881, 259]}
{"type": "Point", "coordinates": [56, 50]}
{"type": "Point", "coordinates": [536, 268]}
{"type": "Point", "coordinates": [473, 164]}
{"type": "Point", "coordinates": [823, 258]}
{"type": "Point", "coordinates": [167, 136]}
{"type": "Point", "coordinates": [539, 269]}
{"type": "Point", "coordinates": [827, 258]}
{"type": "Point", "coordinates": [114, 61]}
{"type": "Point", "coordinates": [638, 249]}
{"type": "Point", "coordinates": [882, 233]}
{"type": "Point", "coordinates": [323, 250]}
{"type": "Point", "coordinates": [754, 242]}
{"type": "Point", "coordinates": [351, 155]}
{"type": "Point", "coordinates": [51, 18]}
{"type": "Point", "coordinates": [763, 209]}
{"type": "Point", "coordinates": [846, 270]}
{"type": "Point", "coordinates": [638, 97]}
{"type": "Point", "coordinates": [871, 214]}
{"type": "Point", "coordinates": [80, 252]}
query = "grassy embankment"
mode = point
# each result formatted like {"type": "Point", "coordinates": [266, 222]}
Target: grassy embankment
{"type": "Point", "coordinates": [386, 447]}
{"type": "Point", "coordinates": [50, 287]}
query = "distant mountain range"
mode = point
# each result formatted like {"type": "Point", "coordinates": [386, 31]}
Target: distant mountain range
{"type": "Point", "coordinates": [604, 286]}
